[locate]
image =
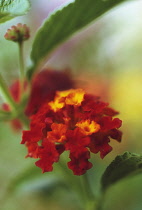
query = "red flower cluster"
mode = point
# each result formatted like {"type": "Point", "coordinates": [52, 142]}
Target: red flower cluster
{"type": "Point", "coordinates": [73, 121]}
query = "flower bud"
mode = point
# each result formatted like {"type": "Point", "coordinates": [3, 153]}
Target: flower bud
{"type": "Point", "coordinates": [18, 33]}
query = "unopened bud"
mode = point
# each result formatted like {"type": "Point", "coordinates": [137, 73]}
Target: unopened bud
{"type": "Point", "coordinates": [18, 33]}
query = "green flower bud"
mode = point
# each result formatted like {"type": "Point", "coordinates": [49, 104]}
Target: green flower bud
{"type": "Point", "coordinates": [18, 33]}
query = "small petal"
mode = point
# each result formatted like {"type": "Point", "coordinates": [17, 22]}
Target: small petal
{"type": "Point", "coordinates": [58, 133]}
{"type": "Point", "coordinates": [79, 163]}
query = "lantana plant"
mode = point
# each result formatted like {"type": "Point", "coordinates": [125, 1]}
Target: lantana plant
{"type": "Point", "coordinates": [61, 123]}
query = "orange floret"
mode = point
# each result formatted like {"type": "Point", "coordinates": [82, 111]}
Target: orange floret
{"type": "Point", "coordinates": [58, 133]}
{"type": "Point", "coordinates": [88, 127]}
{"type": "Point", "coordinates": [69, 97]}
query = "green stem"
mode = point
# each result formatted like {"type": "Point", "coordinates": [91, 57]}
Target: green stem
{"type": "Point", "coordinates": [21, 60]}
{"type": "Point", "coordinates": [21, 63]}
{"type": "Point", "coordinates": [87, 186]}
{"type": "Point", "coordinates": [88, 194]}
{"type": "Point", "coordinates": [14, 107]}
{"type": "Point", "coordinates": [6, 94]}
{"type": "Point", "coordinates": [25, 121]}
{"type": "Point", "coordinates": [81, 185]}
{"type": "Point", "coordinates": [4, 115]}
{"type": "Point", "coordinates": [72, 181]}
{"type": "Point", "coordinates": [101, 200]}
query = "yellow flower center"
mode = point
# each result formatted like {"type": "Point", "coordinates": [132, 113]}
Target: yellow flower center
{"type": "Point", "coordinates": [75, 97]}
{"type": "Point", "coordinates": [56, 105]}
{"type": "Point", "coordinates": [88, 127]}
{"type": "Point", "coordinates": [69, 97]}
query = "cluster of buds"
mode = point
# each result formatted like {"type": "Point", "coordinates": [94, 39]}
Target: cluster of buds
{"type": "Point", "coordinates": [18, 33]}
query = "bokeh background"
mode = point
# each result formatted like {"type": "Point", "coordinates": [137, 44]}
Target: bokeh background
{"type": "Point", "coordinates": [105, 59]}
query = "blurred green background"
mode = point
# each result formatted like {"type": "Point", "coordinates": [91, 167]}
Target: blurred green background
{"type": "Point", "coordinates": [105, 59]}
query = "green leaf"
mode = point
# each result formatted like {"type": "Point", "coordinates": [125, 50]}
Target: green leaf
{"type": "Point", "coordinates": [123, 166]}
{"type": "Point", "coordinates": [5, 17]}
{"type": "Point", "coordinates": [29, 173]}
{"type": "Point", "coordinates": [65, 22]}
{"type": "Point", "coordinates": [12, 8]}
{"type": "Point", "coordinates": [32, 180]}
{"type": "Point", "coordinates": [44, 186]}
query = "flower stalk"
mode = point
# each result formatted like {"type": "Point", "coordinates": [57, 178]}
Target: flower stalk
{"type": "Point", "coordinates": [80, 185]}
{"type": "Point", "coordinates": [21, 63]}
{"type": "Point", "coordinates": [6, 94]}
{"type": "Point", "coordinates": [5, 115]}
{"type": "Point", "coordinates": [19, 34]}
{"type": "Point", "coordinates": [88, 194]}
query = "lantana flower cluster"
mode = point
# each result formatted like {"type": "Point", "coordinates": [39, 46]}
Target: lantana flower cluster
{"type": "Point", "coordinates": [73, 121]}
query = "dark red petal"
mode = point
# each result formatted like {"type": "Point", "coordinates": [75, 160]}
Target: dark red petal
{"type": "Point", "coordinates": [32, 149]}
{"type": "Point", "coordinates": [44, 86]}
{"type": "Point", "coordinates": [99, 143]}
{"type": "Point", "coordinates": [31, 136]}
{"type": "Point", "coordinates": [105, 149]}
{"type": "Point", "coordinates": [107, 123]}
{"type": "Point", "coordinates": [75, 140]}
{"type": "Point", "coordinates": [109, 111]}
{"type": "Point", "coordinates": [45, 165]}
{"type": "Point", "coordinates": [79, 162]}
{"type": "Point", "coordinates": [115, 134]}
{"type": "Point", "coordinates": [48, 155]}
{"type": "Point", "coordinates": [60, 148]}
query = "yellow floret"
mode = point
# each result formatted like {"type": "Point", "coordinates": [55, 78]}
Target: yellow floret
{"type": "Point", "coordinates": [69, 97]}
{"type": "Point", "coordinates": [88, 127]}
{"type": "Point", "coordinates": [75, 97]}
